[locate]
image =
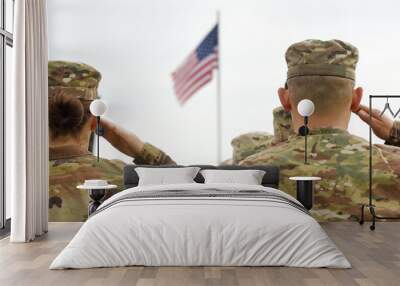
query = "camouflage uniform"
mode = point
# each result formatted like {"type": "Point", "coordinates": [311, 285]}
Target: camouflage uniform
{"type": "Point", "coordinates": [76, 79]}
{"type": "Point", "coordinates": [151, 155]}
{"type": "Point", "coordinates": [322, 58]}
{"type": "Point", "coordinates": [250, 143]}
{"type": "Point", "coordinates": [339, 158]}
{"type": "Point", "coordinates": [282, 124]}
{"type": "Point", "coordinates": [72, 165]}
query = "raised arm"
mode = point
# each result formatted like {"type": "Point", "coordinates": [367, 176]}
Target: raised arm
{"type": "Point", "coordinates": [131, 145]}
{"type": "Point", "coordinates": [382, 126]}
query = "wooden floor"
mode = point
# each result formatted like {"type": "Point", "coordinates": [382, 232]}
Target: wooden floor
{"type": "Point", "coordinates": [375, 257]}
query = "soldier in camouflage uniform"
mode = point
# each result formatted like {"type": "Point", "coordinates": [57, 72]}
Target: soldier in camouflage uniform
{"type": "Point", "coordinates": [72, 87]}
{"type": "Point", "coordinates": [324, 71]}
{"type": "Point", "coordinates": [251, 143]}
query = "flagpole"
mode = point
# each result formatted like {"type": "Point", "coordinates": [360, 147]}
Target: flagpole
{"type": "Point", "coordinates": [218, 105]}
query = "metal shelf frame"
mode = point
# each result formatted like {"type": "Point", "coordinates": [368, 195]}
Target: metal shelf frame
{"type": "Point", "coordinates": [370, 205]}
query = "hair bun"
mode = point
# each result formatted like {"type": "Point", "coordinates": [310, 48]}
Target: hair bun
{"type": "Point", "coordinates": [66, 113]}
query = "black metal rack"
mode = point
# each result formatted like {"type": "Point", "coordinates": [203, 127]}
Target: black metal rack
{"type": "Point", "coordinates": [370, 206]}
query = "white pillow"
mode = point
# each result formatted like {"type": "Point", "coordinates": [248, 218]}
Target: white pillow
{"type": "Point", "coordinates": [165, 176]}
{"type": "Point", "coordinates": [248, 177]}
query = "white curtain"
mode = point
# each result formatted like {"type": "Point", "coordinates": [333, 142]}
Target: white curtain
{"type": "Point", "coordinates": [29, 123]}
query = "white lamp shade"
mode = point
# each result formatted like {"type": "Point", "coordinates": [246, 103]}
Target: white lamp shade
{"type": "Point", "coordinates": [98, 107]}
{"type": "Point", "coordinates": [306, 107]}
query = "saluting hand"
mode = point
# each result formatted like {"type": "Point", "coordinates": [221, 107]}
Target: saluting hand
{"type": "Point", "coordinates": [124, 141]}
{"type": "Point", "coordinates": [381, 125]}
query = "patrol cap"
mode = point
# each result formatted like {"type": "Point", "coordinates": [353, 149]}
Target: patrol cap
{"type": "Point", "coordinates": [76, 79]}
{"type": "Point", "coordinates": [326, 58]}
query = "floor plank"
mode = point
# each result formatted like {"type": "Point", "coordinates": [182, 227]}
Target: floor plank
{"type": "Point", "coordinates": [375, 257]}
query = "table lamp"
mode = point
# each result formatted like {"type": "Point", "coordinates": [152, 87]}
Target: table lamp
{"type": "Point", "coordinates": [98, 108]}
{"type": "Point", "coordinates": [306, 109]}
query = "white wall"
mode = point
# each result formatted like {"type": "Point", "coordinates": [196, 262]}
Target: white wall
{"type": "Point", "coordinates": [137, 44]}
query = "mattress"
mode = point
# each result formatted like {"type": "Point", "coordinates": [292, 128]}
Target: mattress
{"type": "Point", "coordinates": [201, 225]}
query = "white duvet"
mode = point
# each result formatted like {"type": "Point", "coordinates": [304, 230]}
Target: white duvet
{"type": "Point", "coordinates": [200, 231]}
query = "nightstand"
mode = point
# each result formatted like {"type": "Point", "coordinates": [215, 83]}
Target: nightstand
{"type": "Point", "coordinates": [97, 190]}
{"type": "Point", "coordinates": [305, 190]}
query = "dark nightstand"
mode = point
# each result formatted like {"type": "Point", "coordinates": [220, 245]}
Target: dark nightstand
{"type": "Point", "coordinates": [305, 190]}
{"type": "Point", "coordinates": [97, 194]}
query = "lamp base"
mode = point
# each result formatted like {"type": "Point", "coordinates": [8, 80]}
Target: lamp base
{"type": "Point", "coordinates": [305, 193]}
{"type": "Point", "coordinates": [99, 129]}
{"type": "Point", "coordinates": [97, 195]}
{"type": "Point", "coordinates": [100, 132]}
{"type": "Point", "coordinates": [303, 130]}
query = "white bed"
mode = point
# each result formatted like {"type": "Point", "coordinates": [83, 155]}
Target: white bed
{"type": "Point", "coordinates": [185, 230]}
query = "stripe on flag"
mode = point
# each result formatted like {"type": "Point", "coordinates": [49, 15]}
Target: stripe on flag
{"type": "Point", "coordinates": [196, 70]}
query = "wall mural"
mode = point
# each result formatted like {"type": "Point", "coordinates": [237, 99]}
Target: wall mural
{"type": "Point", "coordinates": [335, 155]}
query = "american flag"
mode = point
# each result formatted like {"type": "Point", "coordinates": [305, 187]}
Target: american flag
{"type": "Point", "coordinates": [196, 71]}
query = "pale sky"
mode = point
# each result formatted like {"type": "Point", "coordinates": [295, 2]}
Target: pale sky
{"type": "Point", "coordinates": [137, 44]}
